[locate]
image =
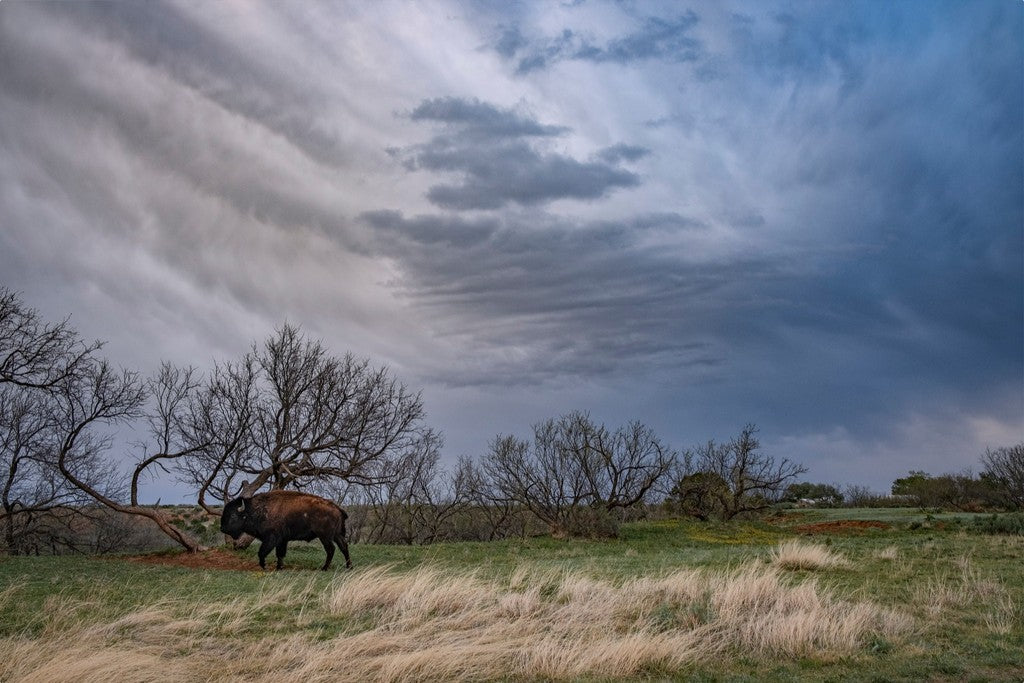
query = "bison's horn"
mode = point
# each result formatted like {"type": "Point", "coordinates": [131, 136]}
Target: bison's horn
{"type": "Point", "coordinates": [247, 490]}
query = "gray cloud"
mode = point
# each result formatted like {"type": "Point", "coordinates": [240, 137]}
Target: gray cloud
{"type": "Point", "coordinates": [485, 145]}
{"type": "Point", "coordinates": [657, 38]}
{"type": "Point", "coordinates": [150, 188]}
{"type": "Point", "coordinates": [578, 298]}
{"type": "Point", "coordinates": [162, 34]}
{"type": "Point", "coordinates": [622, 152]}
{"type": "Point", "coordinates": [450, 231]}
{"type": "Point", "coordinates": [517, 173]}
{"type": "Point", "coordinates": [477, 118]}
{"type": "Point", "coordinates": [509, 42]}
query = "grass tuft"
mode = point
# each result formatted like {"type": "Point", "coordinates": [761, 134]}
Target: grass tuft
{"type": "Point", "coordinates": [806, 556]}
{"type": "Point", "coordinates": [889, 553]}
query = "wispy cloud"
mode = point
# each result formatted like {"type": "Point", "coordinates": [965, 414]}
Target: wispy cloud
{"type": "Point", "coordinates": [669, 39]}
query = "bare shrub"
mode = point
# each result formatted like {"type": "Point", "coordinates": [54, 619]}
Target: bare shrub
{"type": "Point", "coordinates": [577, 476]}
{"type": "Point", "coordinates": [730, 479]}
{"type": "Point", "coordinates": [415, 501]}
{"type": "Point", "coordinates": [1004, 468]}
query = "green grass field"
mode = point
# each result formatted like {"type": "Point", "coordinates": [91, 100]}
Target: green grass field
{"type": "Point", "coordinates": [935, 601]}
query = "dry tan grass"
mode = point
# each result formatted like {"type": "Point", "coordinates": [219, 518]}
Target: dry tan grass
{"type": "Point", "coordinates": [432, 624]}
{"type": "Point", "coordinates": [890, 553]}
{"type": "Point", "coordinates": [968, 588]}
{"type": "Point", "coordinates": [808, 556]}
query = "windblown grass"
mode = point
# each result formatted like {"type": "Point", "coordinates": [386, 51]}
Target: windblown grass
{"type": "Point", "coordinates": [435, 624]}
{"type": "Point", "coordinates": [808, 556]}
{"type": "Point", "coordinates": [969, 588]}
{"type": "Point", "coordinates": [888, 553]}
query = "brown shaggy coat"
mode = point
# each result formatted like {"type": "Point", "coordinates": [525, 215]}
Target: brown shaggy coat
{"type": "Point", "coordinates": [277, 517]}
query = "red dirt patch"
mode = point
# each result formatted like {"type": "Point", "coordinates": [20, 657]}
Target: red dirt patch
{"type": "Point", "coordinates": [843, 526]}
{"type": "Point", "coordinates": [781, 518]}
{"type": "Point", "coordinates": [208, 559]}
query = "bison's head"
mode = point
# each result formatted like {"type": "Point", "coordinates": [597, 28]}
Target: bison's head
{"type": "Point", "coordinates": [235, 517]}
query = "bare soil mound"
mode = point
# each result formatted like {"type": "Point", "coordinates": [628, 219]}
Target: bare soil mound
{"type": "Point", "coordinates": [208, 559]}
{"type": "Point", "coordinates": [843, 526]}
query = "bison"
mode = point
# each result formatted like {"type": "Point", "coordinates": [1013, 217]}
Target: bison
{"type": "Point", "coordinates": [277, 517]}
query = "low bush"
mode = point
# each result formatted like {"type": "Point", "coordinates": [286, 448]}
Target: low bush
{"type": "Point", "coordinates": [1010, 523]}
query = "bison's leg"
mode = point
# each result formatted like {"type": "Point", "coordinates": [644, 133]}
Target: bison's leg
{"type": "Point", "coordinates": [282, 548]}
{"type": "Point", "coordinates": [340, 540]}
{"type": "Point", "coordinates": [265, 548]}
{"type": "Point", "coordinates": [329, 547]}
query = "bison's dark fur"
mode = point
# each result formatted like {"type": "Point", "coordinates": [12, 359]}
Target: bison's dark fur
{"type": "Point", "coordinates": [277, 517]}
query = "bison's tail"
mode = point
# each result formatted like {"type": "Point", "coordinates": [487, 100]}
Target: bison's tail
{"type": "Point", "coordinates": [344, 516]}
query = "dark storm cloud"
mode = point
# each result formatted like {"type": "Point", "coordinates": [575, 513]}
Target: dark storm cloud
{"type": "Point", "coordinates": [883, 285]}
{"type": "Point", "coordinates": [622, 152]}
{"type": "Point", "coordinates": [451, 231]}
{"type": "Point", "coordinates": [490, 148]}
{"type": "Point", "coordinates": [482, 119]}
{"type": "Point", "coordinates": [657, 38]}
{"type": "Point", "coordinates": [518, 173]}
{"type": "Point", "coordinates": [580, 298]}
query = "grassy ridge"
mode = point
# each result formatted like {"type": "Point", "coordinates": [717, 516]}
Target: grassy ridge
{"type": "Point", "coordinates": [960, 593]}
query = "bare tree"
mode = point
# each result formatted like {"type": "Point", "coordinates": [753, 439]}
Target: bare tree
{"type": "Point", "coordinates": [32, 489]}
{"type": "Point", "coordinates": [494, 513]}
{"type": "Point", "coordinates": [289, 414]}
{"type": "Point", "coordinates": [1004, 467]}
{"type": "Point", "coordinates": [417, 501]}
{"type": "Point", "coordinates": [59, 403]}
{"type": "Point", "coordinates": [434, 498]}
{"type": "Point", "coordinates": [37, 360]}
{"type": "Point", "coordinates": [538, 478]}
{"type": "Point", "coordinates": [621, 467]}
{"type": "Point", "coordinates": [575, 472]}
{"type": "Point", "coordinates": [95, 398]}
{"type": "Point", "coordinates": [754, 481]}
{"type": "Point", "coordinates": [214, 429]}
{"type": "Point", "coordinates": [33, 353]}
{"type": "Point", "coordinates": [22, 435]}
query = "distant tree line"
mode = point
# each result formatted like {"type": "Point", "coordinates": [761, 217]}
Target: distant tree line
{"type": "Point", "coordinates": [1000, 485]}
{"type": "Point", "coordinates": [288, 414]}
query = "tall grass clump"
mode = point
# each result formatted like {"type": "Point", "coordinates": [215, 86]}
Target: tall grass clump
{"type": "Point", "coordinates": [808, 556]}
{"type": "Point", "coordinates": [889, 553]}
{"type": "Point", "coordinates": [969, 588]}
{"type": "Point", "coordinates": [435, 624]}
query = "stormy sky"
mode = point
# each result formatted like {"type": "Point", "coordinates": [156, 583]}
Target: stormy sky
{"type": "Point", "coordinates": [806, 215]}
